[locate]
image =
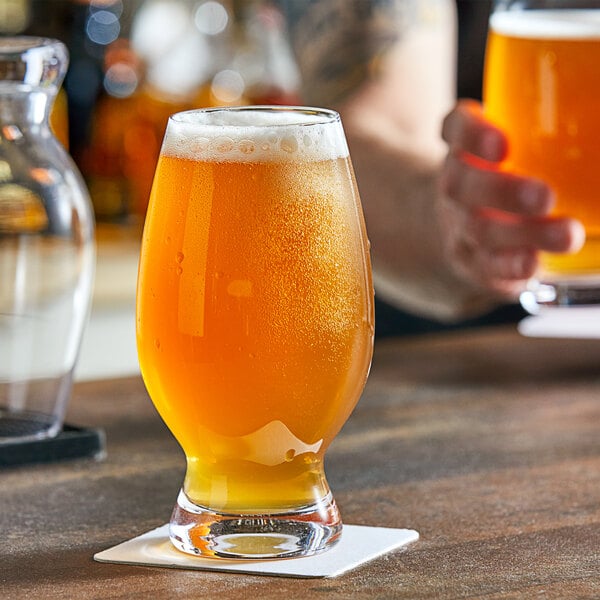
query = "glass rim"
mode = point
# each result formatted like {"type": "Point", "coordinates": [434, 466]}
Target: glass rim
{"type": "Point", "coordinates": [321, 116]}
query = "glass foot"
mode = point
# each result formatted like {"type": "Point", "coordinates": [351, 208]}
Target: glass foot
{"type": "Point", "coordinates": [26, 426]}
{"type": "Point", "coordinates": [309, 530]}
{"type": "Point", "coordinates": [584, 291]}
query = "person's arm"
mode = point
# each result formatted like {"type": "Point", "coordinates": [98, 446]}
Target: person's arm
{"type": "Point", "coordinates": [392, 121]}
{"type": "Point", "coordinates": [439, 245]}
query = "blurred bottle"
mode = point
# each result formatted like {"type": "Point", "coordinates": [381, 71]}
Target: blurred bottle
{"type": "Point", "coordinates": [213, 53]}
{"type": "Point", "coordinates": [257, 66]}
{"type": "Point", "coordinates": [262, 55]}
{"type": "Point", "coordinates": [130, 72]}
{"type": "Point", "coordinates": [135, 62]}
{"type": "Point", "coordinates": [176, 61]}
{"type": "Point", "coordinates": [99, 88]}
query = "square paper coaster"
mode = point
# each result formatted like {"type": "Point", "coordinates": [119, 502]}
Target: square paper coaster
{"type": "Point", "coordinates": [357, 545]}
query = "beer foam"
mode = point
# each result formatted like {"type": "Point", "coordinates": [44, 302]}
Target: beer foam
{"type": "Point", "coordinates": [255, 134]}
{"type": "Point", "coordinates": [548, 24]}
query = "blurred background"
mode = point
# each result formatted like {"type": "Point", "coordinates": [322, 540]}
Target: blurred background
{"type": "Point", "coordinates": [135, 62]}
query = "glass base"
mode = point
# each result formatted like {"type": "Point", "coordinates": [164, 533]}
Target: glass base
{"type": "Point", "coordinates": [203, 532]}
{"type": "Point", "coordinates": [576, 291]}
{"type": "Point", "coordinates": [27, 426]}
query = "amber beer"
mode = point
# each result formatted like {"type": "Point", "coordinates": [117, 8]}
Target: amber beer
{"type": "Point", "coordinates": [255, 316]}
{"type": "Point", "coordinates": [542, 84]}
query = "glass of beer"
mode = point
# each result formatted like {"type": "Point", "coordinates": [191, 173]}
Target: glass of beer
{"type": "Point", "coordinates": [542, 82]}
{"type": "Point", "coordinates": [255, 322]}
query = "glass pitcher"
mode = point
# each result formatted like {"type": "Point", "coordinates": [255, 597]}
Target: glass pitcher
{"type": "Point", "coordinates": [47, 249]}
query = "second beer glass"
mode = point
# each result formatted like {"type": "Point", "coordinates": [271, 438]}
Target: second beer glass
{"type": "Point", "coordinates": [255, 322]}
{"type": "Point", "coordinates": [542, 81]}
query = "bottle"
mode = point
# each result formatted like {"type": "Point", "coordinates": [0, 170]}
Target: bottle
{"type": "Point", "coordinates": [47, 249]}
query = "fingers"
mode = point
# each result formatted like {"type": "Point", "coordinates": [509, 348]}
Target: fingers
{"type": "Point", "coordinates": [471, 175]}
{"type": "Point", "coordinates": [500, 231]}
{"type": "Point", "coordinates": [473, 184]}
{"type": "Point", "coordinates": [466, 128]}
{"type": "Point", "coordinates": [503, 272]}
{"type": "Point", "coordinates": [498, 251]}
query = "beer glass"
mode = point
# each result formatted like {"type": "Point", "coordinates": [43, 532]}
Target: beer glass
{"type": "Point", "coordinates": [254, 322]}
{"type": "Point", "coordinates": [542, 82]}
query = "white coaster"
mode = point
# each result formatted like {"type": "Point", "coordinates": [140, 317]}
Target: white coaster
{"type": "Point", "coordinates": [573, 322]}
{"type": "Point", "coordinates": [357, 545]}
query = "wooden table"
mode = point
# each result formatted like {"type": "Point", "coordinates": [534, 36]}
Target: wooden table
{"type": "Point", "coordinates": [485, 442]}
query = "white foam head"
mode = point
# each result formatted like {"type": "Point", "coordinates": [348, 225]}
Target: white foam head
{"type": "Point", "coordinates": [256, 133]}
{"type": "Point", "coordinates": [548, 24]}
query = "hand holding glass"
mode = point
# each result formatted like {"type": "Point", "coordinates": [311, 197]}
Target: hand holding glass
{"type": "Point", "coordinates": [541, 87]}
{"type": "Point", "coordinates": [255, 322]}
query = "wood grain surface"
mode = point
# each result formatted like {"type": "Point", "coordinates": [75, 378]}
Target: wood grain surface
{"type": "Point", "coordinates": [485, 442]}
